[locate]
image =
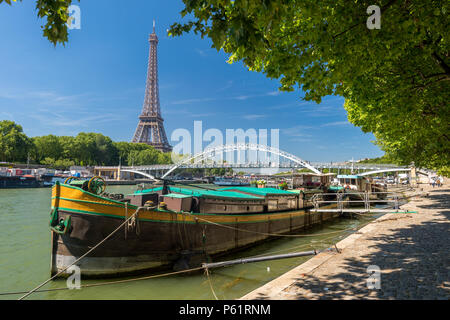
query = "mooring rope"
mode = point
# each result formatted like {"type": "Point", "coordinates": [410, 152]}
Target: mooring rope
{"type": "Point", "coordinates": [274, 234]}
{"type": "Point", "coordinates": [98, 284]}
{"type": "Point", "coordinates": [291, 248]}
{"type": "Point", "coordinates": [84, 255]}
{"type": "Point", "coordinates": [126, 219]}
{"type": "Point", "coordinates": [152, 276]}
{"type": "Point", "coordinates": [310, 244]}
{"type": "Point", "coordinates": [146, 277]}
{"type": "Point", "coordinates": [372, 214]}
{"type": "Point", "coordinates": [210, 283]}
{"type": "Point", "coordinates": [167, 274]}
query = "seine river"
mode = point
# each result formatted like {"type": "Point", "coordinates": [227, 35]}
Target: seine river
{"type": "Point", "coordinates": [25, 257]}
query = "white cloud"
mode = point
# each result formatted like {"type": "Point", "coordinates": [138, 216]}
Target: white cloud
{"type": "Point", "coordinates": [75, 119]}
{"type": "Point", "coordinates": [239, 97]}
{"type": "Point", "coordinates": [191, 101]}
{"type": "Point", "coordinates": [335, 124]}
{"type": "Point", "coordinates": [297, 131]}
{"type": "Point", "coordinates": [289, 106]}
{"type": "Point", "coordinates": [201, 52]}
{"type": "Point", "coordinates": [300, 139]}
{"type": "Point", "coordinates": [254, 116]}
{"type": "Point", "coordinates": [228, 85]}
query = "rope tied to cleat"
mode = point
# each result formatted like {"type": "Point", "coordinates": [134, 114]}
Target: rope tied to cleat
{"type": "Point", "coordinates": [84, 255]}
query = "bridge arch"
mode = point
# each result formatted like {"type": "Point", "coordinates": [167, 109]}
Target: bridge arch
{"type": "Point", "coordinates": [211, 152]}
{"type": "Point", "coordinates": [368, 173]}
{"type": "Point", "coordinates": [139, 172]}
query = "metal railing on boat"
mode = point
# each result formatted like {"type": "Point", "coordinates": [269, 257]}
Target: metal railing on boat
{"type": "Point", "coordinates": [342, 201]}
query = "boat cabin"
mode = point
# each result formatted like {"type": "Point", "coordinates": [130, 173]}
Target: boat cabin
{"type": "Point", "coordinates": [276, 199]}
{"type": "Point", "coordinates": [310, 180]}
{"type": "Point", "coordinates": [354, 182]}
{"type": "Point", "coordinates": [203, 201]}
{"type": "Point", "coordinates": [229, 200]}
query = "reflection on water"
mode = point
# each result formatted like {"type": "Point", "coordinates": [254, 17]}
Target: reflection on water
{"type": "Point", "coordinates": [25, 257]}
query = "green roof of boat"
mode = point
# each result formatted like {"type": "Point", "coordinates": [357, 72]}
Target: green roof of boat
{"type": "Point", "coordinates": [214, 193]}
{"type": "Point", "coordinates": [296, 191]}
{"type": "Point", "coordinates": [258, 191]}
{"type": "Point", "coordinates": [202, 193]}
{"type": "Point", "coordinates": [151, 190]}
{"type": "Point", "coordinates": [177, 195]}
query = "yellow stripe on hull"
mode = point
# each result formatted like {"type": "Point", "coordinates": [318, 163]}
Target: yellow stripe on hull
{"type": "Point", "coordinates": [75, 199]}
{"type": "Point", "coordinates": [158, 239]}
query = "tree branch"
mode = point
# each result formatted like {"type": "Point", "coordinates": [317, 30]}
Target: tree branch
{"type": "Point", "coordinates": [382, 9]}
{"type": "Point", "coordinates": [441, 63]}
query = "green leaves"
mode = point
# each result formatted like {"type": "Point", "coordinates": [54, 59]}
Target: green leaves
{"type": "Point", "coordinates": [63, 151]}
{"type": "Point", "coordinates": [140, 154]}
{"type": "Point", "coordinates": [56, 14]}
{"type": "Point", "coordinates": [14, 144]}
{"type": "Point", "coordinates": [395, 79]}
{"type": "Point", "coordinates": [7, 1]}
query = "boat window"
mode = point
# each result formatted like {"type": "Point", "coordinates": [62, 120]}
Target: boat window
{"type": "Point", "coordinates": [353, 181]}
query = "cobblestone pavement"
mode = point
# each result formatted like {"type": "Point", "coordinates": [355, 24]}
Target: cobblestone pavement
{"type": "Point", "coordinates": [411, 250]}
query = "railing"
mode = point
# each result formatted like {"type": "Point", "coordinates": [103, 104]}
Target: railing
{"type": "Point", "coordinates": [342, 201]}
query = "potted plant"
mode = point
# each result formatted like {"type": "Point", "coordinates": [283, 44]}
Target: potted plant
{"type": "Point", "coordinates": [283, 185]}
{"type": "Point", "coordinates": [261, 183]}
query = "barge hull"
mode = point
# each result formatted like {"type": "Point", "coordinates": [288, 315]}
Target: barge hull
{"type": "Point", "coordinates": [160, 244]}
{"type": "Point", "coordinates": [156, 239]}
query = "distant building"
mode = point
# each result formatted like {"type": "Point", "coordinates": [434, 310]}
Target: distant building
{"type": "Point", "coordinates": [3, 171]}
{"type": "Point", "coordinates": [82, 171]}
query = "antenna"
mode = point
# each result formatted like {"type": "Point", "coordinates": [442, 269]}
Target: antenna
{"type": "Point", "coordinates": [353, 162]}
{"type": "Point", "coordinates": [153, 26]}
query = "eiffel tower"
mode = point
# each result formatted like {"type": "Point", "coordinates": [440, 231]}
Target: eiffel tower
{"type": "Point", "coordinates": [150, 129]}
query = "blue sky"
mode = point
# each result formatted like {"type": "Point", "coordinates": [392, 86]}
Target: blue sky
{"type": "Point", "coordinates": [96, 83]}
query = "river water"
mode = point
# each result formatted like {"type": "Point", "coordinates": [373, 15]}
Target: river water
{"type": "Point", "coordinates": [25, 257]}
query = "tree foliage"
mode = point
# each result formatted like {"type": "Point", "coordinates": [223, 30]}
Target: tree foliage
{"type": "Point", "coordinates": [61, 152]}
{"type": "Point", "coordinates": [56, 14]}
{"type": "Point", "coordinates": [380, 160]}
{"type": "Point", "coordinates": [395, 80]}
{"type": "Point", "coordinates": [47, 147]}
{"type": "Point", "coordinates": [60, 164]}
{"type": "Point", "coordinates": [219, 172]}
{"type": "Point", "coordinates": [14, 144]}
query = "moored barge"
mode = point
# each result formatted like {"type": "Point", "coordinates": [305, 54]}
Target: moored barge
{"type": "Point", "coordinates": [26, 181]}
{"type": "Point", "coordinates": [356, 186]}
{"type": "Point", "coordinates": [172, 223]}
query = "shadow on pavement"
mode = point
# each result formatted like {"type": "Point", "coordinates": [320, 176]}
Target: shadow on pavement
{"type": "Point", "coordinates": [414, 263]}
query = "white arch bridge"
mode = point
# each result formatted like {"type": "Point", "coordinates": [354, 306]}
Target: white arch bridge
{"type": "Point", "coordinates": [212, 152]}
{"type": "Point", "coordinates": [368, 173]}
{"type": "Point", "coordinates": [204, 160]}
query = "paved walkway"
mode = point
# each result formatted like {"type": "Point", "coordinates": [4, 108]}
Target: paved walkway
{"type": "Point", "coordinates": [412, 251]}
